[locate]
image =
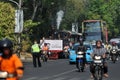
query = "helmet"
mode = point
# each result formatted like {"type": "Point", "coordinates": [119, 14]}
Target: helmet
{"type": "Point", "coordinates": [113, 43]}
{"type": "Point", "coordinates": [81, 41]}
{"type": "Point", "coordinates": [6, 43]}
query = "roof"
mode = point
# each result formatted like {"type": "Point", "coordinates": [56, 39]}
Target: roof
{"type": "Point", "coordinates": [91, 20]}
{"type": "Point", "coordinates": [117, 40]}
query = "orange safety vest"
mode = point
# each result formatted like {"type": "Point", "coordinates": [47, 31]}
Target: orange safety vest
{"type": "Point", "coordinates": [45, 48]}
{"type": "Point", "coordinates": [11, 65]}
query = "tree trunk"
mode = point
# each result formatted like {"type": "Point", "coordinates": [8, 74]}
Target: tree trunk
{"type": "Point", "coordinates": [34, 12]}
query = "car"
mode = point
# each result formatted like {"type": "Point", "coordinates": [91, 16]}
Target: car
{"type": "Point", "coordinates": [116, 40]}
{"type": "Point", "coordinates": [72, 53]}
{"type": "Point", "coordinates": [89, 51]}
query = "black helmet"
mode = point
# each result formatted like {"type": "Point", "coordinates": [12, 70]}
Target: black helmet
{"type": "Point", "coordinates": [6, 43]}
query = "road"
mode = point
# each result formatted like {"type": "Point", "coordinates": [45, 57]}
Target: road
{"type": "Point", "coordinates": [61, 70]}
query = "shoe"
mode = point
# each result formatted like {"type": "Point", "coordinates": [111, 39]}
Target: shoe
{"type": "Point", "coordinates": [117, 59]}
{"type": "Point", "coordinates": [110, 58]}
{"type": "Point", "coordinates": [91, 76]}
{"type": "Point", "coordinates": [106, 75]}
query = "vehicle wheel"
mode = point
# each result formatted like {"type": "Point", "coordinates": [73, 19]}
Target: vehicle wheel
{"type": "Point", "coordinates": [99, 74]}
{"type": "Point", "coordinates": [79, 67]}
{"type": "Point", "coordinates": [45, 59]}
{"type": "Point", "coordinates": [114, 58]}
{"type": "Point", "coordinates": [82, 67]}
{"type": "Point", "coordinates": [70, 62]}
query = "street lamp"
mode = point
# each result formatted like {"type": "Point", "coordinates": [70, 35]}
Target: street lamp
{"type": "Point", "coordinates": [18, 22]}
{"type": "Point", "coordinates": [15, 3]}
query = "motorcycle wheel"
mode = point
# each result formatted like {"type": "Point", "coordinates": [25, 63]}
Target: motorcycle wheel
{"type": "Point", "coordinates": [114, 58]}
{"type": "Point", "coordinates": [80, 67]}
{"type": "Point", "coordinates": [46, 59]}
{"type": "Point", "coordinates": [43, 58]}
{"type": "Point", "coordinates": [98, 73]}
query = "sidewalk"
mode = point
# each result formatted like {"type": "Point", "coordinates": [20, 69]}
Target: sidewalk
{"type": "Point", "coordinates": [26, 57]}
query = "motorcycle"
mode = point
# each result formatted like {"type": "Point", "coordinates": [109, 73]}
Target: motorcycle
{"type": "Point", "coordinates": [4, 75]}
{"type": "Point", "coordinates": [80, 64]}
{"type": "Point", "coordinates": [66, 53]}
{"type": "Point", "coordinates": [113, 55]}
{"type": "Point", "coordinates": [44, 56]}
{"type": "Point", "coordinates": [98, 67]}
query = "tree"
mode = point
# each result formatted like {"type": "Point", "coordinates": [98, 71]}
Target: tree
{"type": "Point", "coordinates": [104, 10]}
{"type": "Point", "coordinates": [7, 22]}
{"type": "Point", "coordinates": [73, 11]}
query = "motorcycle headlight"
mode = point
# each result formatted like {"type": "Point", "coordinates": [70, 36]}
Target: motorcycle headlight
{"type": "Point", "coordinates": [113, 50]}
{"type": "Point", "coordinates": [79, 52]}
{"type": "Point", "coordinates": [97, 57]}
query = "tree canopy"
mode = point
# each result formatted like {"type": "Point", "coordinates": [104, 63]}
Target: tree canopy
{"type": "Point", "coordinates": [40, 16]}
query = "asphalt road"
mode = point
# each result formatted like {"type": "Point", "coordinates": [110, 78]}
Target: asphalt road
{"type": "Point", "coordinates": [61, 70]}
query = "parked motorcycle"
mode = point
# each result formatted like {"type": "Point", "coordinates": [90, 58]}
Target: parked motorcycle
{"type": "Point", "coordinates": [98, 67]}
{"type": "Point", "coordinates": [113, 55]}
{"type": "Point", "coordinates": [80, 64]}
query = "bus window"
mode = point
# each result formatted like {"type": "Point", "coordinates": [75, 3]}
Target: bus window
{"type": "Point", "coordinates": [92, 26]}
{"type": "Point", "coordinates": [94, 30]}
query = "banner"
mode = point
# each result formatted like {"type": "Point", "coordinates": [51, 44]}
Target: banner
{"type": "Point", "coordinates": [54, 44]}
{"type": "Point", "coordinates": [18, 21]}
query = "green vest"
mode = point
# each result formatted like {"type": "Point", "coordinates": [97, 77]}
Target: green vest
{"type": "Point", "coordinates": [35, 48]}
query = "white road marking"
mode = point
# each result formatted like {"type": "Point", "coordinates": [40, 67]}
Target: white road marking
{"type": "Point", "coordinates": [57, 75]}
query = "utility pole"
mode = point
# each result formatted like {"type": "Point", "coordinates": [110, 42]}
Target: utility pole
{"type": "Point", "coordinates": [19, 23]}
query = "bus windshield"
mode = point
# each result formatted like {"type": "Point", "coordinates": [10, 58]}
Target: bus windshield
{"type": "Point", "coordinates": [92, 27]}
{"type": "Point", "coordinates": [94, 37]}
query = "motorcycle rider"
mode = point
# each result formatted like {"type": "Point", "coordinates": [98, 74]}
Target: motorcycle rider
{"type": "Point", "coordinates": [45, 49]}
{"type": "Point", "coordinates": [10, 62]}
{"type": "Point", "coordinates": [66, 48]}
{"type": "Point", "coordinates": [114, 46]}
{"type": "Point", "coordinates": [100, 51]}
{"type": "Point", "coordinates": [108, 48]}
{"type": "Point", "coordinates": [83, 49]}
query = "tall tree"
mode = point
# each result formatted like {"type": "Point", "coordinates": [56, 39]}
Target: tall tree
{"type": "Point", "coordinates": [7, 22]}
{"type": "Point", "coordinates": [73, 10]}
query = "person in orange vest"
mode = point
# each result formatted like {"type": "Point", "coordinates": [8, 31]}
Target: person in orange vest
{"type": "Point", "coordinates": [9, 62]}
{"type": "Point", "coordinates": [45, 49]}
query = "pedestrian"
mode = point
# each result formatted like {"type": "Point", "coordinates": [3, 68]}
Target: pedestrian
{"type": "Point", "coordinates": [10, 62]}
{"type": "Point", "coordinates": [36, 54]}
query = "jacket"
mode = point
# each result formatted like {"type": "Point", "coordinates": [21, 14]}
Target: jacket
{"type": "Point", "coordinates": [12, 65]}
{"type": "Point", "coordinates": [35, 48]}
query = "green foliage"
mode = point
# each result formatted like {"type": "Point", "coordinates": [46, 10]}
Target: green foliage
{"type": "Point", "coordinates": [29, 25]}
{"type": "Point", "coordinates": [45, 16]}
{"type": "Point", "coordinates": [105, 10]}
{"type": "Point", "coordinates": [73, 9]}
{"type": "Point", "coordinates": [7, 13]}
